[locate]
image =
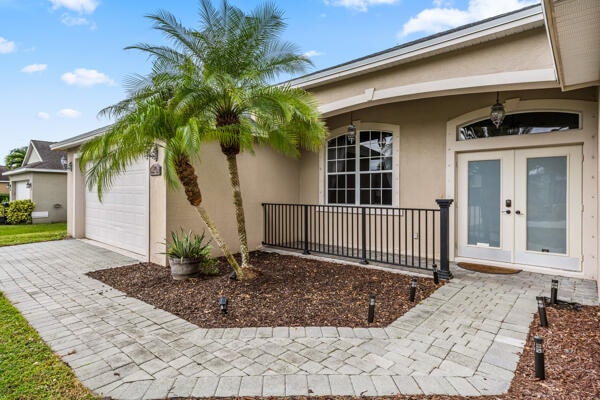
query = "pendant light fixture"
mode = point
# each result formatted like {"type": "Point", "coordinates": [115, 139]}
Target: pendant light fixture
{"type": "Point", "coordinates": [497, 112]}
{"type": "Point", "coordinates": [351, 131]}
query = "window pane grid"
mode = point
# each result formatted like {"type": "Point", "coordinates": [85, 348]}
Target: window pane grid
{"type": "Point", "coordinates": [368, 163]}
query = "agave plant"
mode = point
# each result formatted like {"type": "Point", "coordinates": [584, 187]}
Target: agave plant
{"type": "Point", "coordinates": [188, 245]}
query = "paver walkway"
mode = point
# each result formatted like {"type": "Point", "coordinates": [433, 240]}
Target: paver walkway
{"type": "Point", "coordinates": [464, 339]}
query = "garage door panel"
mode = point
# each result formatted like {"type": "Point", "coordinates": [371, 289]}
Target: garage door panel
{"type": "Point", "coordinates": [121, 219]}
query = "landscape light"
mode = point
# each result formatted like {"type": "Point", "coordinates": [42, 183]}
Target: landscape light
{"type": "Point", "coordinates": [554, 291]}
{"type": "Point", "coordinates": [371, 308]}
{"type": "Point", "coordinates": [538, 348]}
{"type": "Point", "coordinates": [436, 276]}
{"type": "Point", "coordinates": [223, 304]}
{"type": "Point", "coordinates": [413, 289]}
{"type": "Point", "coordinates": [541, 301]}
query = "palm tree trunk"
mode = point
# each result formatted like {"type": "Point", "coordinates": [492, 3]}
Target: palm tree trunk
{"type": "Point", "coordinates": [214, 232]}
{"type": "Point", "coordinates": [239, 208]}
{"type": "Point", "coordinates": [189, 180]}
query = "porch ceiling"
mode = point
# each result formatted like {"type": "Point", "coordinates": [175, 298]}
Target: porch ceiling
{"type": "Point", "coordinates": [574, 30]}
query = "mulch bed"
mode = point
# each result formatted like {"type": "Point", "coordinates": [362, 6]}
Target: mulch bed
{"type": "Point", "coordinates": [293, 291]}
{"type": "Point", "coordinates": [289, 291]}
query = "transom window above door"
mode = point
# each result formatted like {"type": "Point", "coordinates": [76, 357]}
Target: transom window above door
{"type": "Point", "coordinates": [527, 123]}
{"type": "Point", "coordinates": [359, 168]}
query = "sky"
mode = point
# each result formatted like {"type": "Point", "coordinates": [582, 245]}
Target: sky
{"type": "Point", "coordinates": [62, 61]}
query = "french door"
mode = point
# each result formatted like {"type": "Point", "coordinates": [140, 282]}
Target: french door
{"type": "Point", "coordinates": [521, 206]}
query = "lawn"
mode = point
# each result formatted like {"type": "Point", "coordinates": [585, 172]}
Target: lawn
{"type": "Point", "coordinates": [28, 368]}
{"type": "Point", "coordinates": [20, 234]}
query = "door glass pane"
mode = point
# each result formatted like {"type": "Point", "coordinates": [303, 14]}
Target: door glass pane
{"type": "Point", "coordinates": [547, 204]}
{"type": "Point", "coordinates": [484, 203]}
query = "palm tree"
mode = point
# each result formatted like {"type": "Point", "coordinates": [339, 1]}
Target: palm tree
{"type": "Point", "coordinates": [15, 158]}
{"type": "Point", "coordinates": [143, 119]}
{"type": "Point", "coordinates": [225, 86]}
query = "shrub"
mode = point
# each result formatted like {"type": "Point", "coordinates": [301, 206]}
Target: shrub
{"type": "Point", "coordinates": [19, 212]}
{"type": "Point", "coordinates": [4, 198]}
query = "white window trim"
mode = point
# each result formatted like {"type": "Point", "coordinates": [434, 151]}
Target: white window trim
{"type": "Point", "coordinates": [365, 126]}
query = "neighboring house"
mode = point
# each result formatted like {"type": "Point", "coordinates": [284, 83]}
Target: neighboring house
{"type": "Point", "coordinates": [41, 179]}
{"type": "Point", "coordinates": [525, 193]}
{"type": "Point", "coordinates": [3, 180]}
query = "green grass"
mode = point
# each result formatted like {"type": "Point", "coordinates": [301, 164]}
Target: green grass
{"type": "Point", "coordinates": [28, 368]}
{"type": "Point", "coordinates": [20, 234]}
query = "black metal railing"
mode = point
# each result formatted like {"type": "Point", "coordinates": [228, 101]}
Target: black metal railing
{"type": "Point", "coordinates": [410, 237]}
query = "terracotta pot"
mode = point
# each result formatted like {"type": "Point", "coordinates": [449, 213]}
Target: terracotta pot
{"type": "Point", "coordinates": [185, 268]}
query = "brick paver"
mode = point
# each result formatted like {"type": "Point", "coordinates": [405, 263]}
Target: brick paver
{"type": "Point", "coordinates": [464, 339]}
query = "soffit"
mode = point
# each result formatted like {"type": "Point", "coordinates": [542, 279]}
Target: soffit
{"type": "Point", "coordinates": [574, 30]}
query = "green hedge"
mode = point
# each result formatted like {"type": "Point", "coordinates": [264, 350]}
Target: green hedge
{"type": "Point", "coordinates": [19, 212]}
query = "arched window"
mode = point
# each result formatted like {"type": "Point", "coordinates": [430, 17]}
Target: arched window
{"type": "Point", "coordinates": [527, 123]}
{"type": "Point", "coordinates": [359, 170]}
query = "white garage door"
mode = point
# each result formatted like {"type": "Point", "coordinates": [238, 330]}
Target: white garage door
{"type": "Point", "coordinates": [121, 219]}
{"type": "Point", "coordinates": [22, 192]}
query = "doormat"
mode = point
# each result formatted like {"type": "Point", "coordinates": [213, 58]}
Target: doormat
{"type": "Point", "coordinates": [488, 269]}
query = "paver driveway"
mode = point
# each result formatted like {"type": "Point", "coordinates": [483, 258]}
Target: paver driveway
{"type": "Point", "coordinates": [464, 339]}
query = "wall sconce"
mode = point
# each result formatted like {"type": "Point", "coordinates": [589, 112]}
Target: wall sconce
{"type": "Point", "coordinates": [28, 185]}
{"type": "Point", "coordinates": [152, 153]}
{"type": "Point", "coordinates": [8, 185]}
{"type": "Point", "coordinates": [66, 165]}
{"type": "Point", "coordinates": [223, 304]}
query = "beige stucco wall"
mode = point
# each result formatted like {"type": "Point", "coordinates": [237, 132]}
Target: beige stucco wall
{"type": "Point", "coordinates": [49, 193]}
{"type": "Point", "coordinates": [265, 176]}
{"type": "Point", "coordinates": [4, 188]}
{"type": "Point", "coordinates": [528, 51]}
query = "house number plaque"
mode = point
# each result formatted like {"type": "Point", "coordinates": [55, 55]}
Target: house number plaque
{"type": "Point", "coordinates": [155, 170]}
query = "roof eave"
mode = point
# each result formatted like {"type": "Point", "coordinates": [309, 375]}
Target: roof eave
{"type": "Point", "coordinates": [78, 140]}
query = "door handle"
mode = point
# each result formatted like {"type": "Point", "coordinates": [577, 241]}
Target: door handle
{"type": "Point", "coordinates": [518, 212]}
{"type": "Point", "coordinates": [507, 212]}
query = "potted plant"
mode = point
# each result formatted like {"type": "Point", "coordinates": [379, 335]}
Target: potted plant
{"type": "Point", "coordinates": [189, 255]}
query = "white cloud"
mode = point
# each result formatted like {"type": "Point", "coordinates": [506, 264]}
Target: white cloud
{"type": "Point", "coordinates": [34, 68]}
{"type": "Point", "coordinates": [6, 46]}
{"type": "Point", "coordinates": [359, 5]}
{"type": "Point", "coordinates": [442, 17]}
{"type": "Point", "coordinates": [86, 77]}
{"type": "Point", "coordinates": [43, 115]}
{"type": "Point", "coordinates": [70, 20]}
{"type": "Point", "coordinates": [69, 113]}
{"type": "Point", "coordinates": [312, 53]}
{"type": "Point", "coordinates": [81, 6]}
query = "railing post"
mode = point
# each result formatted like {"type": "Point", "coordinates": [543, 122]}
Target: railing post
{"type": "Point", "coordinates": [306, 229]}
{"type": "Point", "coordinates": [363, 234]}
{"type": "Point", "coordinates": [444, 205]}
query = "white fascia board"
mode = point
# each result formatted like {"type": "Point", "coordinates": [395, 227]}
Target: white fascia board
{"type": "Point", "coordinates": [73, 144]}
{"type": "Point", "coordinates": [529, 19]}
{"type": "Point", "coordinates": [28, 153]}
{"type": "Point", "coordinates": [26, 170]}
{"type": "Point", "coordinates": [542, 77]}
